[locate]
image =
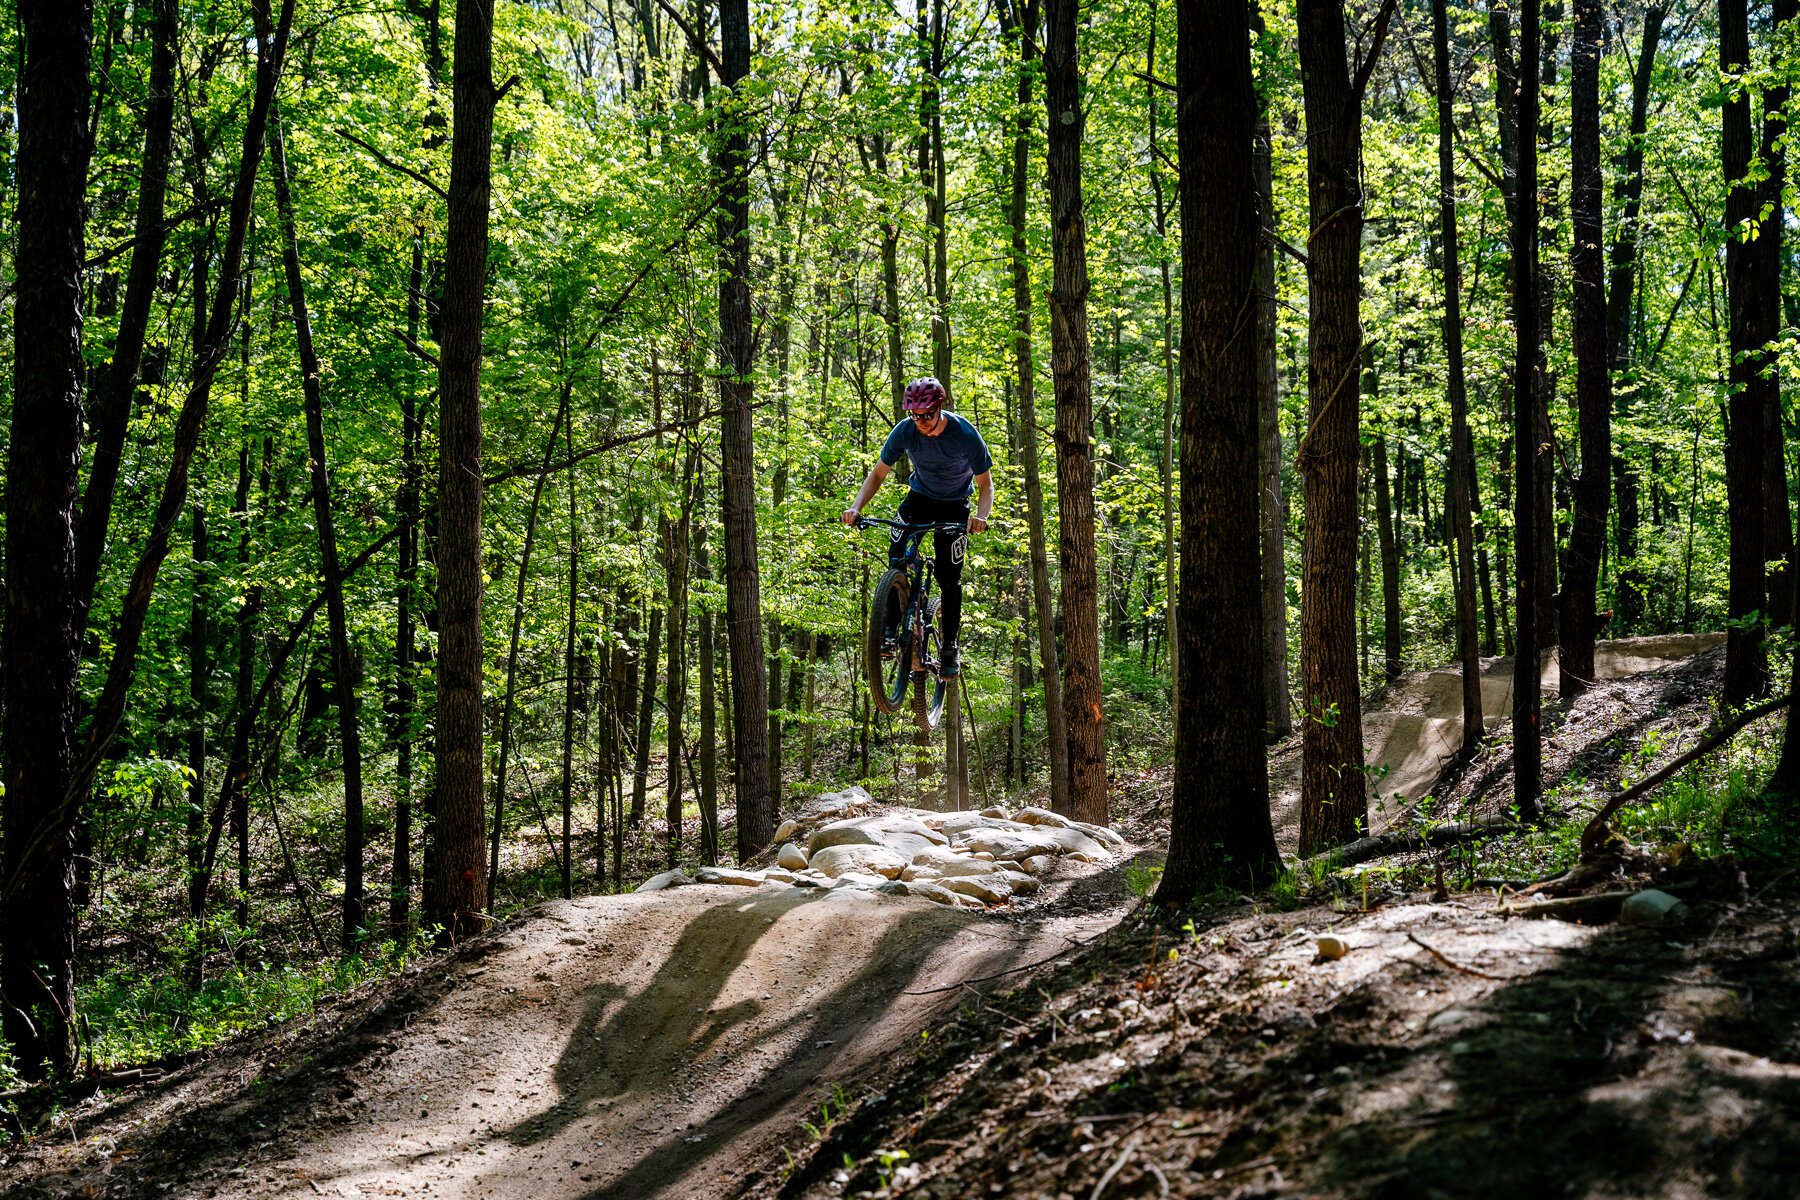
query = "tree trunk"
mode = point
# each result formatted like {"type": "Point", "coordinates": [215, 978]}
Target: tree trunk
{"type": "Point", "coordinates": [1159, 214]}
{"type": "Point", "coordinates": [573, 688]}
{"type": "Point", "coordinates": [1334, 794]}
{"type": "Point", "coordinates": [1593, 388]}
{"type": "Point", "coordinates": [39, 676]}
{"type": "Point", "coordinates": [1025, 19]}
{"type": "Point", "coordinates": [198, 637]}
{"type": "Point", "coordinates": [743, 591]}
{"type": "Point", "coordinates": [1070, 369]}
{"type": "Point", "coordinates": [461, 888]}
{"type": "Point", "coordinates": [1219, 827]}
{"type": "Point", "coordinates": [675, 538]}
{"type": "Point", "coordinates": [343, 660]}
{"type": "Point", "coordinates": [1527, 380]}
{"type": "Point", "coordinates": [1754, 319]}
{"type": "Point", "coordinates": [1462, 450]}
{"type": "Point", "coordinates": [645, 718]}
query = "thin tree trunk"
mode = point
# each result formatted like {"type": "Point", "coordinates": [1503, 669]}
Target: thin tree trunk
{"type": "Point", "coordinates": [1070, 369]}
{"type": "Point", "coordinates": [39, 676]}
{"type": "Point", "coordinates": [461, 888]}
{"type": "Point", "coordinates": [645, 717]}
{"type": "Point", "coordinates": [1753, 317]}
{"type": "Point", "coordinates": [709, 736]}
{"type": "Point", "coordinates": [743, 591]}
{"type": "Point", "coordinates": [1778, 529]}
{"type": "Point", "coordinates": [1219, 828]}
{"type": "Point", "coordinates": [198, 637]}
{"type": "Point", "coordinates": [1277, 702]}
{"type": "Point", "coordinates": [1025, 20]}
{"type": "Point", "coordinates": [1462, 449]}
{"type": "Point", "coordinates": [1391, 668]}
{"type": "Point", "coordinates": [405, 693]}
{"type": "Point", "coordinates": [676, 536]}
{"type": "Point", "coordinates": [116, 382]}
{"type": "Point", "coordinates": [1593, 388]}
{"type": "Point", "coordinates": [343, 659]}
{"type": "Point", "coordinates": [1527, 379]}
{"type": "Point", "coordinates": [509, 701]}
{"type": "Point", "coordinates": [1628, 193]}
{"type": "Point", "coordinates": [571, 672]}
{"type": "Point", "coordinates": [1159, 213]}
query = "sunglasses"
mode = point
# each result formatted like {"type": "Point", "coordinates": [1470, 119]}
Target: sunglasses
{"type": "Point", "coordinates": [924, 418]}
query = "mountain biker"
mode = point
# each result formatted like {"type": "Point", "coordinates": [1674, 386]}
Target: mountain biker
{"type": "Point", "coordinates": [947, 456]}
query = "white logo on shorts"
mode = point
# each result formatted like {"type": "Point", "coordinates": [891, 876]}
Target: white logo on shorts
{"type": "Point", "coordinates": [956, 547]}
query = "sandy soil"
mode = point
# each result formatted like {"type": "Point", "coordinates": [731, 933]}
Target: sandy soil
{"type": "Point", "coordinates": [628, 1046]}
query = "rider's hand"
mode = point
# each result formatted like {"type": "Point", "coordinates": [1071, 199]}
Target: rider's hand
{"type": "Point", "coordinates": [977, 525]}
{"type": "Point", "coordinates": [850, 517]}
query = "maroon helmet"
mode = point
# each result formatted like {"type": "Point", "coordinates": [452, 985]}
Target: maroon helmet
{"type": "Point", "coordinates": [924, 397]}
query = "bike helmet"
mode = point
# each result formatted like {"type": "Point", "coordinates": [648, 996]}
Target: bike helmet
{"type": "Point", "coordinates": [923, 397]}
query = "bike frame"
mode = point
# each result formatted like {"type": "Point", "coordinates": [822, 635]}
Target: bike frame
{"type": "Point", "coordinates": [921, 573]}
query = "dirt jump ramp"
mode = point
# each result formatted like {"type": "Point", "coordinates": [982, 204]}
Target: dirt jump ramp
{"type": "Point", "coordinates": [1415, 728]}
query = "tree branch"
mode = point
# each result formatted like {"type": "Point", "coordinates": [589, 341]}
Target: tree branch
{"type": "Point", "coordinates": [694, 39]}
{"type": "Point", "coordinates": [1382, 20]}
{"type": "Point", "coordinates": [391, 165]}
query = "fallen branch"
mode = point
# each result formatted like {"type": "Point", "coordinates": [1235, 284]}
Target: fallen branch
{"type": "Point", "coordinates": [1367, 849]}
{"type": "Point", "coordinates": [1598, 906]}
{"type": "Point", "coordinates": [1454, 966]}
{"type": "Point", "coordinates": [1593, 838]}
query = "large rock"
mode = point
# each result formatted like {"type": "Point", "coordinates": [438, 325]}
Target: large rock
{"type": "Point", "coordinates": [787, 830]}
{"type": "Point", "coordinates": [791, 857]}
{"type": "Point", "coordinates": [902, 835]}
{"type": "Point", "coordinates": [729, 875]}
{"type": "Point", "coordinates": [965, 867]}
{"type": "Point", "coordinates": [930, 891]}
{"type": "Point", "coordinates": [1041, 816]}
{"type": "Point", "coordinates": [858, 880]}
{"type": "Point", "coordinates": [958, 824]}
{"type": "Point", "coordinates": [878, 860]}
{"type": "Point", "coordinates": [1022, 843]}
{"type": "Point", "coordinates": [1020, 883]}
{"type": "Point", "coordinates": [988, 890]}
{"type": "Point", "coordinates": [1112, 839]}
{"type": "Point", "coordinates": [668, 879]}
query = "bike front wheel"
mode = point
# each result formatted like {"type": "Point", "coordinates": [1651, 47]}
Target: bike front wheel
{"type": "Point", "coordinates": [928, 692]}
{"type": "Point", "coordinates": [888, 661]}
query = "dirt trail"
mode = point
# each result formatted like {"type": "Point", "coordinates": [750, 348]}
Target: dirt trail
{"type": "Point", "coordinates": [1416, 726]}
{"type": "Point", "coordinates": [619, 1046]}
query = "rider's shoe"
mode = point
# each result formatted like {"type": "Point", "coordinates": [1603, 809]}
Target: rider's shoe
{"type": "Point", "coordinates": [950, 664]}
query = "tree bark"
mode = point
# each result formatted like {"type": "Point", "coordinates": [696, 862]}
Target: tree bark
{"type": "Point", "coordinates": [1220, 832]}
{"type": "Point", "coordinates": [460, 889]}
{"type": "Point", "coordinates": [343, 660]}
{"type": "Point", "coordinates": [1334, 794]}
{"type": "Point", "coordinates": [1778, 529]}
{"type": "Point", "coordinates": [1070, 369]}
{"type": "Point", "coordinates": [1593, 387]}
{"type": "Point", "coordinates": [1462, 449]}
{"type": "Point", "coordinates": [1391, 667]}
{"type": "Point", "coordinates": [743, 589]}
{"type": "Point", "coordinates": [39, 676]}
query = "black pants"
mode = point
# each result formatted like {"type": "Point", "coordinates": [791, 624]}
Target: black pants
{"type": "Point", "coordinates": [947, 548]}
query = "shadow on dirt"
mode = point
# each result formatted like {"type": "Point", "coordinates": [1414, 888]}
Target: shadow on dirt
{"type": "Point", "coordinates": [1625, 1068]}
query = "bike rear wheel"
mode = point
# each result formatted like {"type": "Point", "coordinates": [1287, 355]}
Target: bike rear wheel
{"type": "Point", "coordinates": [889, 667]}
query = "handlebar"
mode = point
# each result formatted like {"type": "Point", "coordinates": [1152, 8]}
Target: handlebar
{"type": "Point", "coordinates": [903, 527]}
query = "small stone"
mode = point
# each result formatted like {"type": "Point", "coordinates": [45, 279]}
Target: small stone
{"type": "Point", "coordinates": [668, 879]}
{"type": "Point", "coordinates": [787, 830]}
{"type": "Point", "coordinates": [1332, 948]}
{"type": "Point", "coordinates": [1037, 864]}
{"type": "Point", "coordinates": [1020, 883]}
{"type": "Point", "coordinates": [791, 857]}
{"type": "Point", "coordinates": [1652, 908]}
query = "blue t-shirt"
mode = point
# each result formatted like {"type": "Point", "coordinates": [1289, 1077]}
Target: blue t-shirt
{"type": "Point", "coordinates": [942, 466]}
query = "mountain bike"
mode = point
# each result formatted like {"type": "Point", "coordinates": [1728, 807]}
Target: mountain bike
{"type": "Point", "coordinates": [903, 638]}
